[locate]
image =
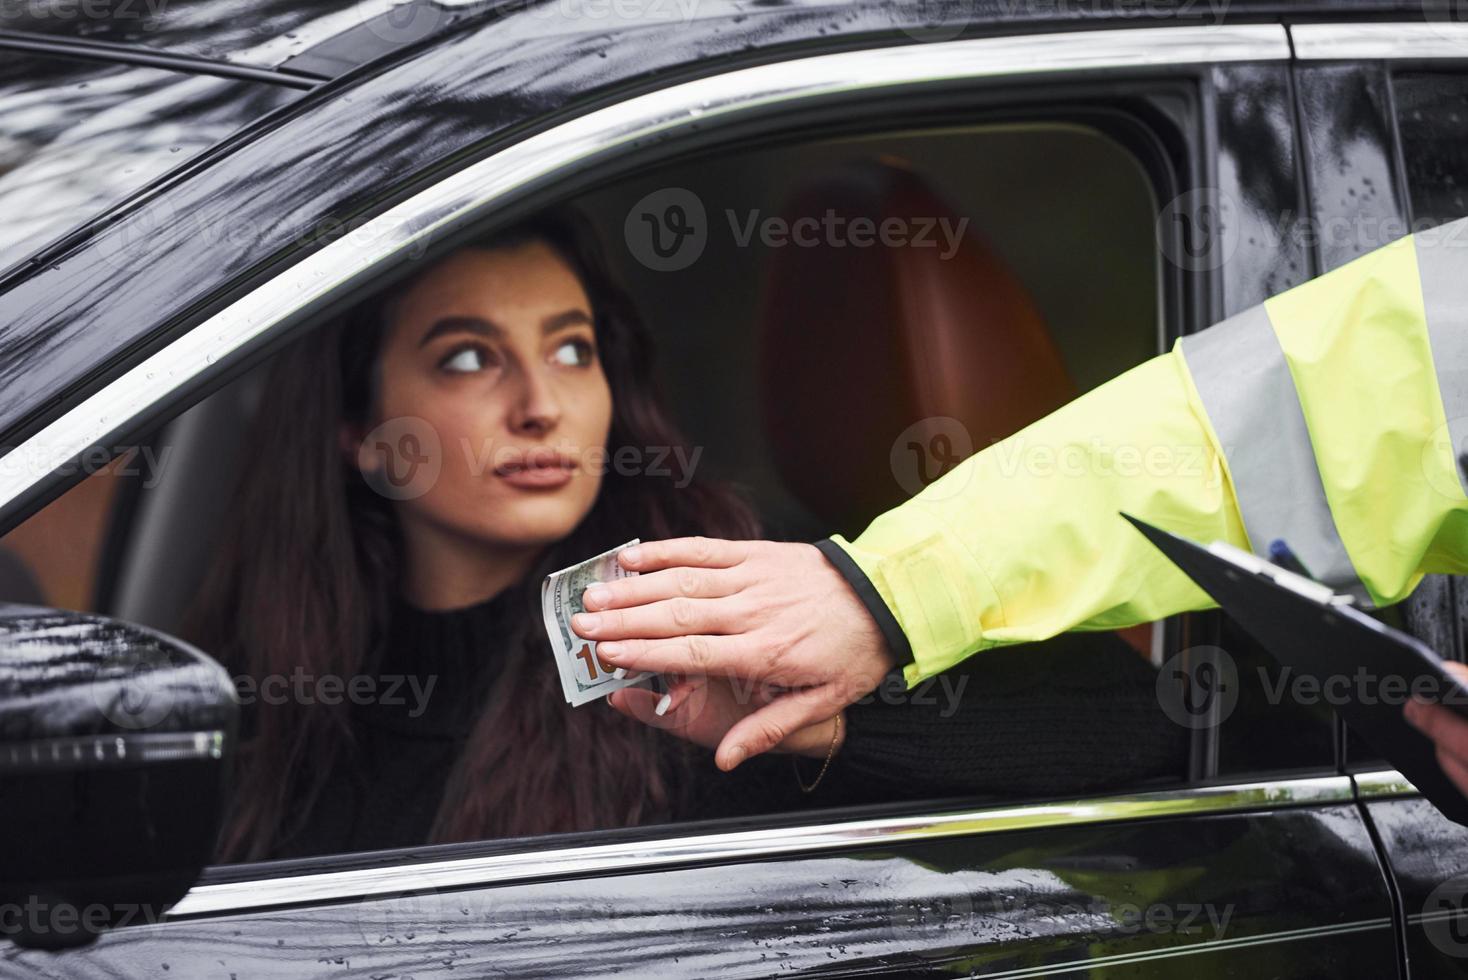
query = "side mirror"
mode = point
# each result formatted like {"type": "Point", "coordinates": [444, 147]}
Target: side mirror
{"type": "Point", "coordinates": [115, 743]}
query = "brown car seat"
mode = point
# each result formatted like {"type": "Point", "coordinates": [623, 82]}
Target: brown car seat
{"type": "Point", "coordinates": [858, 343]}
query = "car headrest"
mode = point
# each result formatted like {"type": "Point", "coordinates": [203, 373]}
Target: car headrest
{"type": "Point", "coordinates": [859, 343]}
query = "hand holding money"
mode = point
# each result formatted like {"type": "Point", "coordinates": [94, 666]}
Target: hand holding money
{"type": "Point", "coordinates": [584, 677]}
{"type": "Point", "coordinates": [772, 612]}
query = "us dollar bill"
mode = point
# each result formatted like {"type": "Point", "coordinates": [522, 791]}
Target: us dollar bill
{"type": "Point", "coordinates": [583, 676]}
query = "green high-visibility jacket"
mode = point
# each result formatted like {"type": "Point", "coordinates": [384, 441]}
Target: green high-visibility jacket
{"type": "Point", "coordinates": [1330, 416]}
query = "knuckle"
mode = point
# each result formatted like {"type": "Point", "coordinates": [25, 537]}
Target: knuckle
{"type": "Point", "coordinates": [703, 550]}
{"type": "Point", "coordinates": [771, 733]}
{"type": "Point", "coordinates": [683, 611]}
{"type": "Point", "coordinates": [688, 582]}
{"type": "Point", "coordinates": [699, 654]}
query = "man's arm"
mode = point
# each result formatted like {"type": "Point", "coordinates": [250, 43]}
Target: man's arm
{"type": "Point", "coordinates": [1328, 416]}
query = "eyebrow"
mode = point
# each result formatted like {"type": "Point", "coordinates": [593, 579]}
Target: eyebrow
{"type": "Point", "coordinates": [488, 328]}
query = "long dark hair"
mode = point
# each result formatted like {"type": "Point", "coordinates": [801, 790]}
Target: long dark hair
{"type": "Point", "coordinates": [307, 572]}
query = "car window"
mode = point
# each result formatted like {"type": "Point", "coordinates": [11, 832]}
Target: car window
{"type": "Point", "coordinates": [797, 343]}
{"type": "Point", "coordinates": [1432, 119]}
{"type": "Point", "coordinates": [76, 137]}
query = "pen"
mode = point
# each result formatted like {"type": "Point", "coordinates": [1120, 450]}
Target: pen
{"type": "Point", "coordinates": [1281, 555]}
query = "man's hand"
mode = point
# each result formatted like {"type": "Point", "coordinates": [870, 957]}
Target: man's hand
{"type": "Point", "coordinates": [768, 613]}
{"type": "Point", "coordinates": [1447, 729]}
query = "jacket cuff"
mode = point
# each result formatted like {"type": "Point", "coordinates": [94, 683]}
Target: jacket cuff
{"type": "Point", "coordinates": [871, 598]}
{"type": "Point", "coordinates": [942, 600]}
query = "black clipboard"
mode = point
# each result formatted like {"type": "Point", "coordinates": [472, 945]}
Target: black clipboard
{"type": "Point", "coordinates": [1318, 634]}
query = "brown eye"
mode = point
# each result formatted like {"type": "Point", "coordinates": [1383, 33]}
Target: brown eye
{"type": "Point", "coordinates": [466, 360]}
{"type": "Point", "coordinates": [574, 353]}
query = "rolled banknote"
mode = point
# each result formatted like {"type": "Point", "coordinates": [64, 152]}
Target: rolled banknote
{"type": "Point", "coordinates": [583, 677]}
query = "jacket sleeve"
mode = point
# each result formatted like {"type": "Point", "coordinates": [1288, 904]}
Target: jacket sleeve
{"type": "Point", "coordinates": [1328, 417]}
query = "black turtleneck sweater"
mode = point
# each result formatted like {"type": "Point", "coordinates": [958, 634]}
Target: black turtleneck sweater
{"type": "Point", "coordinates": [1075, 714]}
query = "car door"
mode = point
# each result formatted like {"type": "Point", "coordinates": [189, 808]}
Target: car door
{"type": "Point", "coordinates": [1275, 874]}
{"type": "Point", "coordinates": [1383, 108]}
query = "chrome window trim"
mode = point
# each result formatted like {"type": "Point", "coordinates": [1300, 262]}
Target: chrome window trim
{"type": "Point", "coordinates": [1373, 42]}
{"type": "Point", "coordinates": [624, 858]}
{"type": "Point", "coordinates": [467, 193]}
{"type": "Point", "coordinates": [1382, 783]}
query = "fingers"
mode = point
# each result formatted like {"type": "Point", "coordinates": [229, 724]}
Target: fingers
{"type": "Point", "coordinates": [669, 583]}
{"type": "Point", "coordinates": [674, 711]}
{"type": "Point", "coordinates": [724, 656]}
{"type": "Point", "coordinates": [662, 620]}
{"type": "Point", "coordinates": [692, 552]}
{"type": "Point", "coordinates": [640, 704]}
{"type": "Point", "coordinates": [766, 728]}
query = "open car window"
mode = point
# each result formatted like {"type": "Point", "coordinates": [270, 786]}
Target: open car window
{"type": "Point", "coordinates": [854, 317]}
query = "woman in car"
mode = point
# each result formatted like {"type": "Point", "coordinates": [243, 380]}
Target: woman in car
{"type": "Point", "coordinates": [419, 466]}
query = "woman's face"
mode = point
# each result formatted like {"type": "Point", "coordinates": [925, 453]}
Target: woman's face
{"type": "Point", "coordinates": [494, 351]}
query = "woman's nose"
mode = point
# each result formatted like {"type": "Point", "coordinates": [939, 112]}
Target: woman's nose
{"type": "Point", "coordinates": [536, 409]}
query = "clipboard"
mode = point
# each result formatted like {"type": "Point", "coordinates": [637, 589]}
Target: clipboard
{"type": "Point", "coordinates": [1305, 626]}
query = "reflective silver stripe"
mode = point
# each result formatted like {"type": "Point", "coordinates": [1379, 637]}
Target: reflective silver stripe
{"type": "Point", "coordinates": [1241, 374]}
{"type": "Point", "coordinates": [1442, 264]}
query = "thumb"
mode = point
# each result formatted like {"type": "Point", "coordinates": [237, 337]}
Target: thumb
{"type": "Point", "coordinates": [766, 728]}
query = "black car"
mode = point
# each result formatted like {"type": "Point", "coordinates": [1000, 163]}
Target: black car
{"type": "Point", "coordinates": [188, 186]}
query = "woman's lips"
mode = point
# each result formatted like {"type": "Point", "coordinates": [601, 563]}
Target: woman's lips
{"type": "Point", "coordinates": [537, 473]}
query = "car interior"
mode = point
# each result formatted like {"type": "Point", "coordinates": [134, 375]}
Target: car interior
{"type": "Point", "coordinates": [1054, 289]}
{"type": "Point", "coordinates": [795, 368]}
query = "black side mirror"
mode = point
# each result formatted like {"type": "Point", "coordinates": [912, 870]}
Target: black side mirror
{"type": "Point", "coordinates": [115, 744]}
